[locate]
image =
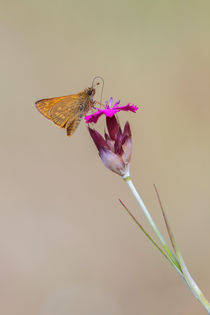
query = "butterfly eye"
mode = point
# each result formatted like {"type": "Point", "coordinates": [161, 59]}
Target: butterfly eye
{"type": "Point", "coordinates": [89, 92]}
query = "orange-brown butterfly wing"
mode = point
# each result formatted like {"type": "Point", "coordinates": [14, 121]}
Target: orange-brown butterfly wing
{"type": "Point", "coordinates": [59, 109]}
{"type": "Point", "coordinates": [65, 110]}
{"type": "Point", "coordinates": [46, 104]}
{"type": "Point", "coordinates": [73, 124]}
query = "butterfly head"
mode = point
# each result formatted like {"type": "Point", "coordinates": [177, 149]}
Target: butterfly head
{"type": "Point", "coordinates": [90, 92]}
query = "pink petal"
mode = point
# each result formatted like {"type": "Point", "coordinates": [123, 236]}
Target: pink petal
{"type": "Point", "coordinates": [127, 107]}
{"type": "Point", "coordinates": [109, 112]}
{"type": "Point", "coordinates": [93, 118]}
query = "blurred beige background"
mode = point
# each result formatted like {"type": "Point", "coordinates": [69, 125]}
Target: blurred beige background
{"type": "Point", "coordinates": [66, 244]}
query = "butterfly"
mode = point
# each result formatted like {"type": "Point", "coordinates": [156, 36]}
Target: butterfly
{"type": "Point", "coordinates": [67, 111]}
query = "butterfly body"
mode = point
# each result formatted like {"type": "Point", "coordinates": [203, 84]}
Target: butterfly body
{"type": "Point", "coordinates": [67, 111]}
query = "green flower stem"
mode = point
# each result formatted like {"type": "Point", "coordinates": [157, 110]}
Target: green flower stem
{"type": "Point", "coordinates": [151, 221]}
{"type": "Point", "coordinates": [187, 277]}
{"type": "Point", "coordinates": [177, 263]}
{"type": "Point", "coordinates": [191, 283]}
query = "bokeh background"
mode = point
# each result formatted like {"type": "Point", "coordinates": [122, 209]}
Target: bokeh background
{"type": "Point", "coordinates": [66, 244]}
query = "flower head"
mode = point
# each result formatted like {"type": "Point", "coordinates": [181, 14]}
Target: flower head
{"type": "Point", "coordinates": [109, 111]}
{"type": "Point", "coordinates": [116, 146]}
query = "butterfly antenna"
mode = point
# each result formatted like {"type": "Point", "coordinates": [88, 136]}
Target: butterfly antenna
{"type": "Point", "coordinates": [97, 83]}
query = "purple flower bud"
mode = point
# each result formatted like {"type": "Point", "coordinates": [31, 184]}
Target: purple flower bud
{"type": "Point", "coordinates": [116, 146]}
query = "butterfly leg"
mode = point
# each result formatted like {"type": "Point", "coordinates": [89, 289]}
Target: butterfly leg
{"type": "Point", "coordinates": [96, 102]}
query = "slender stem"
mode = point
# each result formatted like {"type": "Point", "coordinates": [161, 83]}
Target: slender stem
{"type": "Point", "coordinates": [177, 263]}
{"type": "Point", "coordinates": [190, 281]}
{"type": "Point", "coordinates": [151, 221]}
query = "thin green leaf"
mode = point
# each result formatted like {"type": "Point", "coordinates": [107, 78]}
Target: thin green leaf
{"type": "Point", "coordinates": [143, 230]}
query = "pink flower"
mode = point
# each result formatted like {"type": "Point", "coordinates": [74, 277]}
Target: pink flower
{"type": "Point", "coordinates": [116, 146]}
{"type": "Point", "coordinates": [109, 111]}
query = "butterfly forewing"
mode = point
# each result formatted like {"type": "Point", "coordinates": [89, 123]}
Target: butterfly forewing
{"type": "Point", "coordinates": [64, 111]}
{"type": "Point", "coordinates": [44, 106]}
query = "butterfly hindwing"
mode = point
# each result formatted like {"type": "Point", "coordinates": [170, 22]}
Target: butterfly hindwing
{"type": "Point", "coordinates": [73, 124]}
